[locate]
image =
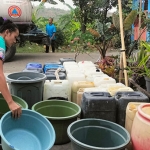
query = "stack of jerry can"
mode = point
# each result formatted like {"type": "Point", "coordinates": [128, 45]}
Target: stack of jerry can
{"type": "Point", "coordinates": [50, 70]}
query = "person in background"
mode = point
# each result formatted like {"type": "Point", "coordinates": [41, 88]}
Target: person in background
{"type": "Point", "coordinates": [51, 30]}
{"type": "Point", "coordinates": [8, 34]}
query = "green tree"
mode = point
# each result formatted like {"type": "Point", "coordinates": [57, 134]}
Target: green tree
{"type": "Point", "coordinates": [69, 24]}
{"type": "Point", "coordinates": [89, 10]}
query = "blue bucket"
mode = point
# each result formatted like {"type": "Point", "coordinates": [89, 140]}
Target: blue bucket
{"type": "Point", "coordinates": [31, 131]}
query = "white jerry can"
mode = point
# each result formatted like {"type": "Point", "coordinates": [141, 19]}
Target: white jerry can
{"type": "Point", "coordinates": [57, 88]}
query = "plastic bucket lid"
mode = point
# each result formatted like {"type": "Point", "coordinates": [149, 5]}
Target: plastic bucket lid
{"type": "Point", "coordinates": [25, 77]}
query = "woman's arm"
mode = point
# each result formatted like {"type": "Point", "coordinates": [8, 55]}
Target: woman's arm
{"type": "Point", "coordinates": [16, 109]}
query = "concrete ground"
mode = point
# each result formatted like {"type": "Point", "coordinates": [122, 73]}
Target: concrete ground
{"type": "Point", "coordinates": [20, 61]}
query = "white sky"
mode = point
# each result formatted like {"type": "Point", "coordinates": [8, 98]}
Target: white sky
{"type": "Point", "coordinates": [63, 6]}
{"type": "Point", "coordinates": [59, 5]}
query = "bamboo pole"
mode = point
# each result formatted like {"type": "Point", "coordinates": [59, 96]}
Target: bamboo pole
{"type": "Point", "coordinates": [139, 28]}
{"type": "Point", "coordinates": [122, 55]}
{"type": "Point", "coordinates": [121, 71]}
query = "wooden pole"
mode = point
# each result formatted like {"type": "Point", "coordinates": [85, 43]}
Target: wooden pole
{"type": "Point", "coordinates": [123, 54]}
{"type": "Point", "coordinates": [139, 28]}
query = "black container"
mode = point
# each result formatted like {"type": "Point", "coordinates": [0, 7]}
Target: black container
{"type": "Point", "coordinates": [98, 105]}
{"type": "Point", "coordinates": [62, 70]}
{"type": "Point", "coordinates": [122, 100]}
{"type": "Point", "coordinates": [38, 70]}
{"type": "Point", "coordinates": [51, 75]}
{"type": "Point", "coordinates": [62, 60]}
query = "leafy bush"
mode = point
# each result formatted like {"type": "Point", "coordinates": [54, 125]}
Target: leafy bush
{"type": "Point", "coordinates": [60, 38]}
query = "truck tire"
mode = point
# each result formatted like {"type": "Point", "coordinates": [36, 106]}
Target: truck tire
{"type": "Point", "coordinates": [10, 53]}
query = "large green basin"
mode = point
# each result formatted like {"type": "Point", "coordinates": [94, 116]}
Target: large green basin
{"type": "Point", "coordinates": [61, 114]}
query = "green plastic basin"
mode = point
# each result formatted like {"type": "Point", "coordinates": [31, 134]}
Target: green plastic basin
{"type": "Point", "coordinates": [61, 114]}
{"type": "Point", "coordinates": [4, 107]}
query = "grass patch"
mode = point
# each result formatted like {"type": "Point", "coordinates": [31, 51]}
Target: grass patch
{"type": "Point", "coordinates": [36, 48]}
{"type": "Point", "coordinates": [30, 48]}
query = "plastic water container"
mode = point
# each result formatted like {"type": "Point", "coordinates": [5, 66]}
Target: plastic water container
{"type": "Point", "coordinates": [75, 87]}
{"type": "Point", "coordinates": [89, 75]}
{"type": "Point", "coordinates": [33, 70]}
{"type": "Point", "coordinates": [55, 89]}
{"type": "Point", "coordinates": [122, 100]}
{"type": "Point", "coordinates": [93, 72]}
{"type": "Point", "coordinates": [70, 69]}
{"type": "Point", "coordinates": [62, 60]}
{"type": "Point", "coordinates": [131, 110]}
{"type": "Point", "coordinates": [74, 71]}
{"type": "Point", "coordinates": [70, 65]}
{"type": "Point", "coordinates": [79, 95]}
{"type": "Point", "coordinates": [98, 105]}
{"type": "Point", "coordinates": [61, 114]}
{"type": "Point", "coordinates": [82, 90]}
{"type": "Point", "coordinates": [86, 63]}
{"type": "Point", "coordinates": [103, 80]}
{"type": "Point", "coordinates": [140, 134]}
{"type": "Point", "coordinates": [84, 67]}
{"type": "Point", "coordinates": [33, 67]}
{"type": "Point", "coordinates": [111, 85]}
{"type": "Point", "coordinates": [95, 89]}
{"type": "Point", "coordinates": [97, 134]}
{"type": "Point", "coordinates": [99, 76]}
{"type": "Point", "coordinates": [51, 75]}
{"type": "Point", "coordinates": [62, 70]}
{"type": "Point", "coordinates": [27, 85]}
{"type": "Point", "coordinates": [51, 66]}
{"type": "Point", "coordinates": [114, 88]}
{"type": "Point", "coordinates": [55, 63]}
{"type": "Point", "coordinates": [32, 131]}
{"type": "Point", "coordinates": [67, 64]}
{"type": "Point", "coordinates": [75, 77]}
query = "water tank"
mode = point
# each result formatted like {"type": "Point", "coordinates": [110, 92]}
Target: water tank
{"type": "Point", "coordinates": [16, 10]}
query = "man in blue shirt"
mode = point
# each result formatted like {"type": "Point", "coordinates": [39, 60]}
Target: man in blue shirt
{"type": "Point", "coordinates": [51, 30]}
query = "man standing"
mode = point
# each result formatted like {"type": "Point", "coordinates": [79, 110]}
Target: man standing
{"type": "Point", "coordinates": [51, 30]}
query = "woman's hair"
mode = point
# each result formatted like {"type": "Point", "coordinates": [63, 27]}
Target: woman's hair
{"type": "Point", "coordinates": [7, 25]}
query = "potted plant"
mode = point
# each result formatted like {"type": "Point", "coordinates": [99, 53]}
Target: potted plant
{"type": "Point", "coordinates": [145, 63]}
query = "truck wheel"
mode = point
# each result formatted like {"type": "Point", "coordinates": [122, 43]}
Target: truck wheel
{"type": "Point", "coordinates": [10, 53]}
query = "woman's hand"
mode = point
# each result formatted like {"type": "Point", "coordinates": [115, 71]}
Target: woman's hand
{"type": "Point", "coordinates": [15, 109]}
